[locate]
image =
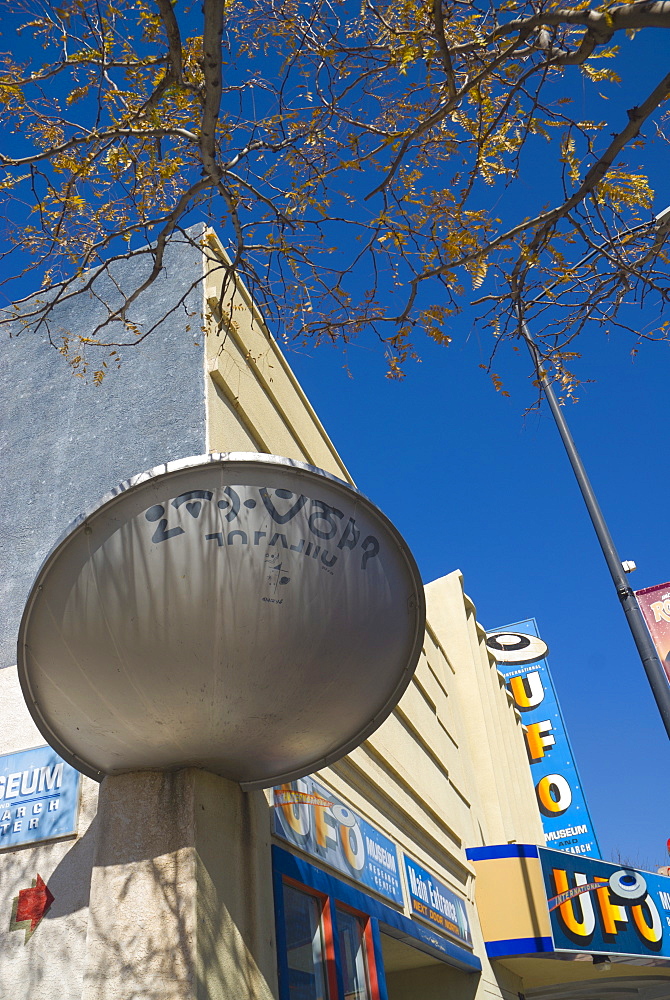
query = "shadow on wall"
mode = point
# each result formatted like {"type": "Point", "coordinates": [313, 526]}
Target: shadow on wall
{"type": "Point", "coordinates": [42, 954]}
{"type": "Point", "coordinates": [172, 884]}
{"type": "Point", "coordinates": [180, 890]}
{"type": "Point", "coordinates": [74, 870]}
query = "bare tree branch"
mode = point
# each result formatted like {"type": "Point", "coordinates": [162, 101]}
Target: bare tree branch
{"type": "Point", "coordinates": [361, 169]}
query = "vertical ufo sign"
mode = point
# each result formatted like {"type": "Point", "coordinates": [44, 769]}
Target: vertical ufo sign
{"type": "Point", "coordinates": [243, 613]}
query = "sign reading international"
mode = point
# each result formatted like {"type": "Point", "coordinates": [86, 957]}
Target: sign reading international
{"type": "Point", "coordinates": [431, 900]}
{"type": "Point", "coordinates": [654, 604]}
{"type": "Point", "coordinates": [39, 797]}
{"type": "Point", "coordinates": [311, 818]}
{"type": "Point", "coordinates": [599, 907]}
{"type": "Point", "coordinates": [521, 656]}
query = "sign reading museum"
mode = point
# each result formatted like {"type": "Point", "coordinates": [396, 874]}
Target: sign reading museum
{"type": "Point", "coordinates": [39, 797]}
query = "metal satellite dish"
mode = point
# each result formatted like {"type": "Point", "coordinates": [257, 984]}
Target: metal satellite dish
{"type": "Point", "coordinates": [243, 613]}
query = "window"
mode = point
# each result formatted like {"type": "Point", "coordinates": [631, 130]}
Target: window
{"type": "Point", "coordinates": [335, 942]}
{"type": "Point", "coordinates": [353, 948]}
{"type": "Point", "coordinates": [305, 945]}
{"type": "Point", "coordinates": [328, 949]}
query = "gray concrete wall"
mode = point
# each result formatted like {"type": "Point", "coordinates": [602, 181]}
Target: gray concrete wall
{"type": "Point", "coordinates": [65, 442]}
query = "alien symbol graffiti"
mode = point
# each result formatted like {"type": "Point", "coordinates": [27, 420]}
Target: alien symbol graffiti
{"type": "Point", "coordinates": [280, 578]}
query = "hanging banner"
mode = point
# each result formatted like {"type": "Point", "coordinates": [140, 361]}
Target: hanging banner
{"type": "Point", "coordinates": [521, 656]}
{"type": "Point", "coordinates": [39, 797]}
{"type": "Point", "coordinates": [311, 818]}
{"type": "Point", "coordinates": [654, 604]}
{"type": "Point", "coordinates": [431, 900]}
{"type": "Point", "coordinates": [599, 907]}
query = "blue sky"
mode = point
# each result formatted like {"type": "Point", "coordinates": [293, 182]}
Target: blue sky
{"type": "Point", "coordinates": [474, 483]}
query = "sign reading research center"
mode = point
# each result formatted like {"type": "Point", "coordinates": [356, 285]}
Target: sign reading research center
{"type": "Point", "coordinates": [39, 797]}
{"type": "Point", "coordinates": [521, 655]}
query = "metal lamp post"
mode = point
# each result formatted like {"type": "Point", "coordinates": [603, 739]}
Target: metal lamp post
{"type": "Point", "coordinates": [652, 665]}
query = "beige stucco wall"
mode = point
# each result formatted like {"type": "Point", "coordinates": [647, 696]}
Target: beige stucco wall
{"type": "Point", "coordinates": [493, 746]}
{"type": "Point", "coordinates": [445, 772]}
{"type": "Point", "coordinates": [254, 401]}
{"type": "Point", "coordinates": [440, 982]}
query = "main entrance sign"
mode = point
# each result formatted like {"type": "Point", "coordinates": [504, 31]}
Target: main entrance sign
{"type": "Point", "coordinates": [243, 613]}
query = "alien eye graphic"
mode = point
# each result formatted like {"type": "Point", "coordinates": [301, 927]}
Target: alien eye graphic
{"type": "Point", "coordinates": [516, 647]}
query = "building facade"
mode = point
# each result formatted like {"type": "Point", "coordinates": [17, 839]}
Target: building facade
{"type": "Point", "coordinates": [369, 880]}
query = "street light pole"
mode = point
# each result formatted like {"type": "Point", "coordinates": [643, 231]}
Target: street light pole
{"type": "Point", "coordinates": [652, 665]}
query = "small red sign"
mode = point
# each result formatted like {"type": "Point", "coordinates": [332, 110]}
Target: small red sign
{"type": "Point", "coordinates": [33, 903]}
